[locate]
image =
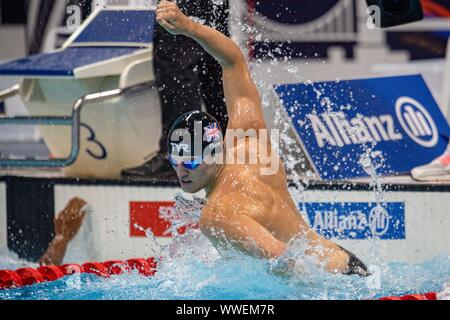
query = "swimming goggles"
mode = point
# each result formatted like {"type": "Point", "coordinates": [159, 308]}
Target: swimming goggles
{"type": "Point", "coordinates": [188, 164]}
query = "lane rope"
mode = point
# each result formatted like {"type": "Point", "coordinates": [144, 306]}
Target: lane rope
{"type": "Point", "coordinates": [10, 279]}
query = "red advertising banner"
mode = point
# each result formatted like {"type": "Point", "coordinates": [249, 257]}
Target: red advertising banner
{"type": "Point", "coordinates": [150, 215]}
{"type": "Point", "coordinates": [153, 215]}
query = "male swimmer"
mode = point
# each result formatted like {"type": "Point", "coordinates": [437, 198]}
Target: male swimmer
{"type": "Point", "coordinates": [245, 209]}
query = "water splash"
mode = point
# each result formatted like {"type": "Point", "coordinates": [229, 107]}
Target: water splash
{"type": "Point", "coordinates": [191, 268]}
{"type": "Point", "coordinates": [236, 276]}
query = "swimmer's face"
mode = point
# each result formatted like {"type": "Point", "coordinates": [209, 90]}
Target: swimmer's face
{"type": "Point", "coordinates": [194, 180]}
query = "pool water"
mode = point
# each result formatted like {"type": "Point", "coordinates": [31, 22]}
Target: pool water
{"type": "Point", "coordinates": [200, 272]}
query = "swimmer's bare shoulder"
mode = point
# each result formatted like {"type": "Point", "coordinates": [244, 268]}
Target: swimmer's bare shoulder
{"type": "Point", "coordinates": [265, 160]}
{"type": "Point", "coordinates": [239, 186]}
{"type": "Point", "coordinates": [236, 215]}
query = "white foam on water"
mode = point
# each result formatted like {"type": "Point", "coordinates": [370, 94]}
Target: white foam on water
{"type": "Point", "coordinates": [11, 261]}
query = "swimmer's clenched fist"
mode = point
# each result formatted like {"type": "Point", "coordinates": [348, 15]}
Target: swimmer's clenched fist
{"type": "Point", "coordinates": [170, 17]}
{"type": "Point", "coordinates": [246, 209]}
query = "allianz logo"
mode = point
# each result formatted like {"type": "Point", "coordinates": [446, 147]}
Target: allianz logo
{"type": "Point", "coordinates": [335, 129]}
{"type": "Point", "coordinates": [376, 222]}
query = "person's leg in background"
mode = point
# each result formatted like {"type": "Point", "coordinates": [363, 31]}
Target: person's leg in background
{"type": "Point", "coordinates": [211, 88]}
{"type": "Point", "coordinates": [185, 75]}
{"type": "Point", "coordinates": [177, 66]}
{"type": "Point", "coordinates": [178, 83]}
{"type": "Point", "coordinates": [211, 85]}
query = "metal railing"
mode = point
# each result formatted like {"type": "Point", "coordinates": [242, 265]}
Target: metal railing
{"type": "Point", "coordinates": [73, 121]}
{"type": "Point", "coordinates": [10, 92]}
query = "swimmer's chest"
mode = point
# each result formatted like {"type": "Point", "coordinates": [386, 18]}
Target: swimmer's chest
{"type": "Point", "coordinates": [264, 200]}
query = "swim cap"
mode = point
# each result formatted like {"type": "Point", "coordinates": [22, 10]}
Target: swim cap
{"type": "Point", "coordinates": [192, 133]}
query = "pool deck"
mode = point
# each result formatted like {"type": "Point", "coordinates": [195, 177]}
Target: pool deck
{"type": "Point", "coordinates": [39, 148]}
{"type": "Point", "coordinates": [397, 183]}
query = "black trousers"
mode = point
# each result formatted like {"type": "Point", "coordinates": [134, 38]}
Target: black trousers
{"type": "Point", "coordinates": [186, 75]}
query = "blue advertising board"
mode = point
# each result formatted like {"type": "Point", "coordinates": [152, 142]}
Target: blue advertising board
{"type": "Point", "coordinates": [357, 220]}
{"type": "Point", "coordinates": [355, 128]}
{"type": "Point", "coordinates": [120, 26]}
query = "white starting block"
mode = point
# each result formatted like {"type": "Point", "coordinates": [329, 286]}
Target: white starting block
{"type": "Point", "coordinates": [105, 67]}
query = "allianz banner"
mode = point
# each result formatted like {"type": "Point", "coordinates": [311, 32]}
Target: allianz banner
{"type": "Point", "coordinates": [357, 220]}
{"type": "Point", "coordinates": [356, 128]}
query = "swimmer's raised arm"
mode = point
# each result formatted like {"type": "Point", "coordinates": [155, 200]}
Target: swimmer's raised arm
{"type": "Point", "coordinates": [171, 18]}
{"type": "Point", "coordinates": [241, 95]}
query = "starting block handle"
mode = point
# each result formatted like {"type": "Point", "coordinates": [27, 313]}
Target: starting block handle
{"type": "Point", "coordinates": [10, 92]}
{"type": "Point", "coordinates": [74, 122]}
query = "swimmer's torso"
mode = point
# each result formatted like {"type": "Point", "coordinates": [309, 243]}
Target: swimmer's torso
{"type": "Point", "coordinates": [265, 198]}
{"type": "Point", "coordinates": [241, 189]}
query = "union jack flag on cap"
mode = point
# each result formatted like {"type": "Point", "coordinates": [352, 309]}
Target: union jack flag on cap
{"type": "Point", "coordinates": [212, 132]}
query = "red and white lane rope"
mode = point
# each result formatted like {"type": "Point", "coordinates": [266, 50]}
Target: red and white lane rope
{"type": "Point", "coordinates": [29, 276]}
{"type": "Point", "coordinates": [10, 279]}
